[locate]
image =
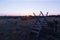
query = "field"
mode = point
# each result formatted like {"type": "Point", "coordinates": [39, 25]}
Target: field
{"type": "Point", "coordinates": [19, 28]}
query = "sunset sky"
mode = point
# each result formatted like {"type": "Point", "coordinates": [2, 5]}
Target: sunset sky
{"type": "Point", "coordinates": [27, 7]}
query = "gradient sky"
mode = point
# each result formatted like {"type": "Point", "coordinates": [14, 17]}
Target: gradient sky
{"type": "Point", "coordinates": [27, 7]}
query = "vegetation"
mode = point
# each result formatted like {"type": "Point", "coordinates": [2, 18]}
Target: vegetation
{"type": "Point", "coordinates": [19, 28]}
